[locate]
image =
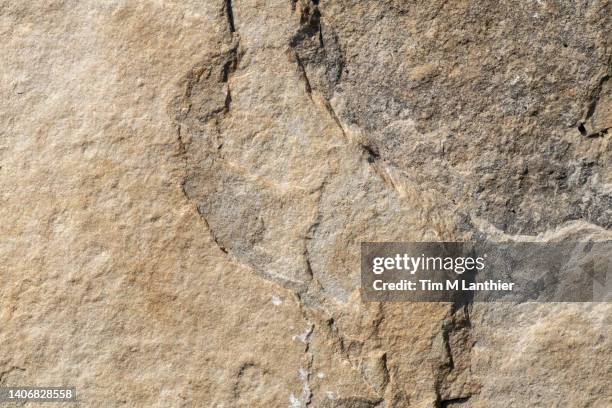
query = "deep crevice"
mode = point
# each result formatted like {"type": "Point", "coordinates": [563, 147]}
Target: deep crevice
{"type": "Point", "coordinates": [453, 402]}
{"type": "Point", "coordinates": [228, 100]}
{"type": "Point", "coordinates": [321, 43]}
{"type": "Point", "coordinates": [303, 74]}
{"type": "Point", "coordinates": [229, 12]}
{"type": "Point", "coordinates": [600, 133]}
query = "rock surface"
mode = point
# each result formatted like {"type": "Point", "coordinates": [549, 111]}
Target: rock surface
{"type": "Point", "coordinates": [184, 187]}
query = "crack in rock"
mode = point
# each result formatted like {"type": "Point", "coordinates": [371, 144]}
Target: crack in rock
{"type": "Point", "coordinates": [453, 382]}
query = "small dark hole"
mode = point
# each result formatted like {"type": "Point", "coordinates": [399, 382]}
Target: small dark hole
{"type": "Point", "coordinates": [564, 45]}
{"type": "Point", "coordinates": [373, 154]}
{"type": "Point", "coordinates": [582, 129]}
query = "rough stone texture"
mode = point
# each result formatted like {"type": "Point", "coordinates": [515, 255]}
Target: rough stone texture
{"type": "Point", "coordinates": [184, 186]}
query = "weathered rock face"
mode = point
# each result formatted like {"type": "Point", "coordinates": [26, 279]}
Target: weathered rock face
{"type": "Point", "coordinates": [185, 186]}
{"type": "Point", "coordinates": [431, 84]}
